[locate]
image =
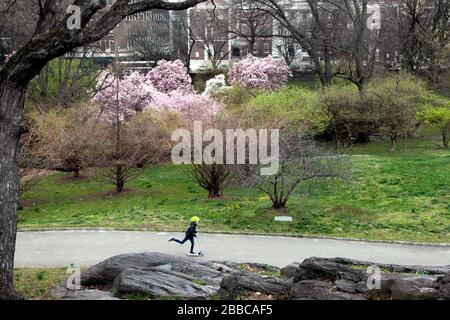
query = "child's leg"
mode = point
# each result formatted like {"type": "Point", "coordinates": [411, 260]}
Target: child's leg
{"type": "Point", "coordinates": [181, 241]}
{"type": "Point", "coordinates": [192, 244]}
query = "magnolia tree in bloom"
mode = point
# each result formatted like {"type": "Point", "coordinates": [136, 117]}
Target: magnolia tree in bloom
{"type": "Point", "coordinates": [264, 73]}
{"type": "Point", "coordinates": [134, 93]}
{"type": "Point", "coordinates": [191, 106]}
{"type": "Point", "coordinates": [166, 88]}
{"type": "Point", "coordinates": [169, 76]}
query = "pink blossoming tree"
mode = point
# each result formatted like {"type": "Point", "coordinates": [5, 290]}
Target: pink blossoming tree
{"type": "Point", "coordinates": [169, 76]}
{"type": "Point", "coordinates": [161, 90]}
{"type": "Point", "coordinates": [134, 93]}
{"type": "Point", "coordinates": [264, 73]}
{"type": "Point", "coordinates": [191, 106]}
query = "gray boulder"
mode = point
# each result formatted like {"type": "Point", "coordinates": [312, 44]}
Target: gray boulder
{"type": "Point", "coordinates": [327, 269]}
{"type": "Point", "coordinates": [414, 288]}
{"type": "Point", "coordinates": [318, 278]}
{"type": "Point", "coordinates": [347, 286]}
{"type": "Point", "coordinates": [319, 290]}
{"type": "Point", "coordinates": [162, 283]}
{"type": "Point", "coordinates": [444, 291]}
{"type": "Point", "coordinates": [290, 271]}
{"type": "Point", "coordinates": [243, 283]}
{"type": "Point", "coordinates": [88, 295]}
{"type": "Point", "coordinates": [107, 271]}
{"type": "Point", "coordinates": [160, 275]}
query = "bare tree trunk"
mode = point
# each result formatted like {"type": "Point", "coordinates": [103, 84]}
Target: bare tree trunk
{"type": "Point", "coordinates": [76, 172]}
{"type": "Point", "coordinates": [393, 143]}
{"type": "Point", "coordinates": [446, 137]}
{"type": "Point", "coordinates": [214, 193]}
{"type": "Point", "coordinates": [120, 180]}
{"type": "Point", "coordinates": [278, 205]}
{"type": "Point", "coordinates": [11, 128]}
{"type": "Point", "coordinates": [328, 68]}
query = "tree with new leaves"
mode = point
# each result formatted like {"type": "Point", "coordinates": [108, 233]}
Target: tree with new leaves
{"type": "Point", "coordinates": [397, 99]}
{"type": "Point", "coordinates": [438, 117]}
{"type": "Point", "coordinates": [51, 39]}
{"type": "Point", "coordinates": [349, 114]}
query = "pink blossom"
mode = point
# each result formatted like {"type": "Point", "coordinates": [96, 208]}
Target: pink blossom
{"type": "Point", "coordinates": [170, 76]}
{"type": "Point", "coordinates": [134, 93]}
{"type": "Point", "coordinates": [8, 56]}
{"type": "Point", "coordinates": [191, 106]}
{"type": "Point", "coordinates": [265, 73]}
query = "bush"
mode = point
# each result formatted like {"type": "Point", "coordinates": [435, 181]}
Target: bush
{"type": "Point", "coordinates": [288, 108]}
{"type": "Point", "coordinates": [397, 99]}
{"type": "Point", "coordinates": [69, 139]}
{"type": "Point", "coordinates": [438, 117]}
{"type": "Point", "coordinates": [348, 115]}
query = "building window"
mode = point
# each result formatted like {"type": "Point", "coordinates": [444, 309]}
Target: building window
{"type": "Point", "coordinates": [236, 52]}
{"type": "Point", "coordinates": [266, 47]}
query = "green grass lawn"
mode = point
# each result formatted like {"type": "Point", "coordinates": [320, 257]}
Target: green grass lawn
{"type": "Point", "coordinates": [401, 195]}
{"type": "Point", "coordinates": [38, 283]}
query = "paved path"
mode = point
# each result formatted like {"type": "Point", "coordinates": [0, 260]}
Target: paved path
{"type": "Point", "coordinates": [85, 248]}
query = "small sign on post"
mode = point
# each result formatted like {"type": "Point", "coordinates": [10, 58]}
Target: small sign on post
{"type": "Point", "coordinates": [283, 219]}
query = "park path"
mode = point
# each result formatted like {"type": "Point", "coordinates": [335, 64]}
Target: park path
{"type": "Point", "coordinates": [85, 248]}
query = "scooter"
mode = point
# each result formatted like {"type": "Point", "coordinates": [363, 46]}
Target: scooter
{"type": "Point", "coordinates": [197, 254]}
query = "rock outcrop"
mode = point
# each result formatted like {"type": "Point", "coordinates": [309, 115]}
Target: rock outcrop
{"type": "Point", "coordinates": [162, 276]}
{"type": "Point", "coordinates": [157, 275]}
{"type": "Point", "coordinates": [337, 279]}
{"type": "Point", "coordinates": [242, 284]}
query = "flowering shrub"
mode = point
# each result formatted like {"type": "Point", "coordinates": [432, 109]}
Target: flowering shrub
{"type": "Point", "coordinates": [169, 76]}
{"type": "Point", "coordinates": [265, 73]}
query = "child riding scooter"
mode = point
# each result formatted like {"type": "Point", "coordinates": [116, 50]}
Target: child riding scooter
{"type": "Point", "coordinates": [191, 233]}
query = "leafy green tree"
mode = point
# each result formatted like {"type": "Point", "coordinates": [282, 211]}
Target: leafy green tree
{"type": "Point", "coordinates": [290, 108]}
{"type": "Point", "coordinates": [63, 82]}
{"type": "Point", "coordinates": [397, 100]}
{"type": "Point", "coordinates": [438, 117]}
{"type": "Point", "coordinates": [349, 116]}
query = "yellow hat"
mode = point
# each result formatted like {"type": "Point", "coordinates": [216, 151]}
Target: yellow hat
{"type": "Point", "coordinates": [195, 219]}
